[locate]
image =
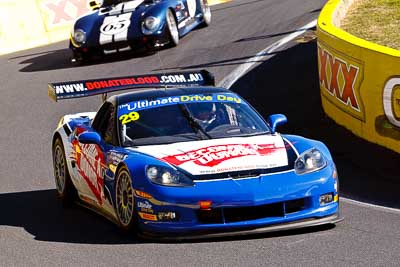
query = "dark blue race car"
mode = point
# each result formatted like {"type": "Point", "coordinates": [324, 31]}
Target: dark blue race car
{"type": "Point", "coordinates": [182, 159]}
{"type": "Point", "coordinates": [119, 25]}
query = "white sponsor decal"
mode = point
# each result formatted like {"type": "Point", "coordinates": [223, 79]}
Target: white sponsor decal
{"type": "Point", "coordinates": [89, 162]}
{"type": "Point", "coordinates": [70, 88]}
{"type": "Point", "coordinates": [223, 155]}
{"type": "Point", "coordinates": [179, 78]}
{"type": "Point", "coordinates": [115, 28]}
{"type": "Point", "coordinates": [145, 205]}
{"type": "Point", "coordinates": [391, 102]}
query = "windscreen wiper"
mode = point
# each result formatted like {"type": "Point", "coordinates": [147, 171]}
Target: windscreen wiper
{"type": "Point", "coordinates": [192, 122]}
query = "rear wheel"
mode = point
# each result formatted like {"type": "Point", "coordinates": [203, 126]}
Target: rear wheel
{"type": "Point", "coordinates": [64, 186]}
{"type": "Point", "coordinates": [125, 203]}
{"type": "Point", "coordinates": [206, 11]}
{"type": "Point", "coordinates": [172, 28]}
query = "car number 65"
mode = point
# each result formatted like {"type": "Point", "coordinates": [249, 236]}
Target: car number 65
{"type": "Point", "coordinates": [115, 26]}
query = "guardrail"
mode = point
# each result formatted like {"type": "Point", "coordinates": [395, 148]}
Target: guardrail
{"type": "Point", "coordinates": [359, 80]}
{"type": "Point", "coordinates": [30, 23]}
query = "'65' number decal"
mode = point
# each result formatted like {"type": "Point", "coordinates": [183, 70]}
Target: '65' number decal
{"type": "Point", "coordinates": [115, 26]}
{"type": "Point", "coordinates": [127, 118]}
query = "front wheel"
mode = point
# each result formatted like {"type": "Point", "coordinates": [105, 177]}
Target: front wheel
{"type": "Point", "coordinates": [172, 28]}
{"type": "Point", "coordinates": [125, 203]}
{"type": "Point", "coordinates": [64, 186]}
{"type": "Point", "coordinates": [206, 11]}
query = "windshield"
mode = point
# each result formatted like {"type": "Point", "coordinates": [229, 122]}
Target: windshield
{"type": "Point", "coordinates": [187, 118]}
{"type": "Point", "coordinates": [105, 3]}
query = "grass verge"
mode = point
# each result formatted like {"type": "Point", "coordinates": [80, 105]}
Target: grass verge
{"type": "Point", "coordinates": [375, 21]}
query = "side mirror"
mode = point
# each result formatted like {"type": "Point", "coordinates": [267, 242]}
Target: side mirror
{"type": "Point", "coordinates": [276, 120]}
{"type": "Point", "coordinates": [94, 5]}
{"type": "Point", "coordinates": [89, 138]}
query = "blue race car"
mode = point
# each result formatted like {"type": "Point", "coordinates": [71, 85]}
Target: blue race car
{"type": "Point", "coordinates": [136, 25]}
{"type": "Point", "coordinates": [179, 158]}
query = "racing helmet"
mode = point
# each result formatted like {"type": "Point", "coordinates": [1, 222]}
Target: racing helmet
{"type": "Point", "coordinates": [204, 113]}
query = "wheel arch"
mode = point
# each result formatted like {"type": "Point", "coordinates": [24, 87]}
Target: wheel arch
{"type": "Point", "coordinates": [123, 165]}
{"type": "Point", "coordinates": [56, 136]}
{"type": "Point", "coordinates": [174, 14]}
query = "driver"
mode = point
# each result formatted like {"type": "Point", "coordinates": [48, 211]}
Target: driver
{"type": "Point", "coordinates": [205, 113]}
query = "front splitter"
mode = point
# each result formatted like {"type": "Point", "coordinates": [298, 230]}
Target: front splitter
{"type": "Point", "coordinates": [332, 219]}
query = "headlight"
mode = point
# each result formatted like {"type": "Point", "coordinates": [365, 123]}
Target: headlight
{"type": "Point", "coordinates": [167, 176]}
{"type": "Point", "coordinates": [310, 161]}
{"type": "Point", "coordinates": [79, 36]}
{"type": "Point", "coordinates": [150, 25]}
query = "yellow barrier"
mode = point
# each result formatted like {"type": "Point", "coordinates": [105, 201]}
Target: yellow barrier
{"type": "Point", "coordinates": [359, 80]}
{"type": "Point", "coordinates": [30, 23]}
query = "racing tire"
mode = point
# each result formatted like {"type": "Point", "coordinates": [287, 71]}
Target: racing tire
{"type": "Point", "coordinates": [65, 189]}
{"type": "Point", "coordinates": [172, 29]}
{"type": "Point", "coordinates": [206, 11]}
{"type": "Point", "coordinates": [125, 201]}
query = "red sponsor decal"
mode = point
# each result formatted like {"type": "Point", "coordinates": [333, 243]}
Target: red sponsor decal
{"type": "Point", "coordinates": [214, 155]}
{"type": "Point", "coordinates": [89, 161]}
{"type": "Point", "coordinates": [121, 82]}
{"type": "Point", "coordinates": [346, 94]}
{"type": "Point", "coordinates": [66, 10]}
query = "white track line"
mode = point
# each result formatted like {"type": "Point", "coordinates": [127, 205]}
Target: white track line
{"type": "Point", "coordinates": [230, 79]}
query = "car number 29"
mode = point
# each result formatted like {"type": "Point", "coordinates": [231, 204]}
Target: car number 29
{"type": "Point", "coordinates": [127, 118]}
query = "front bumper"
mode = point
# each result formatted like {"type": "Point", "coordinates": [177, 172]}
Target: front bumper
{"type": "Point", "coordinates": [310, 222]}
{"type": "Point", "coordinates": [134, 45]}
{"type": "Point", "coordinates": [267, 203]}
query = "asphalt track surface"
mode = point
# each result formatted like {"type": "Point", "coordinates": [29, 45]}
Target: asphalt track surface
{"type": "Point", "coordinates": [36, 231]}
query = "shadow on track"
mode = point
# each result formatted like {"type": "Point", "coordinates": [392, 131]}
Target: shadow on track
{"type": "Point", "coordinates": [219, 63]}
{"type": "Point", "coordinates": [41, 215]}
{"type": "Point", "coordinates": [44, 61]}
{"type": "Point", "coordinates": [61, 59]}
{"type": "Point", "coordinates": [288, 83]}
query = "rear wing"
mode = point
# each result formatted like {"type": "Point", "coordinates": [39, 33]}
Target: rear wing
{"type": "Point", "coordinates": [75, 89]}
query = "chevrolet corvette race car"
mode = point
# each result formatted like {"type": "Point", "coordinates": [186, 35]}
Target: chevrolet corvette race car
{"type": "Point", "coordinates": [179, 158]}
{"type": "Point", "coordinates": [121, 25]}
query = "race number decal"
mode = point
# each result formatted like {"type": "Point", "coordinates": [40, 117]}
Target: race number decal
{"type": "Point", "coordinates": [192, 7]}
{"type": "Point", "coordinates": [127, 118]}
{"type": "Point", "coordinates": [115, 28]}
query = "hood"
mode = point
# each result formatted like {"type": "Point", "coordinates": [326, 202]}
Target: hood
{"type": "Point", "coordinates": [113, 23]}
{"type": "Point", "coordinates": [222, 155]}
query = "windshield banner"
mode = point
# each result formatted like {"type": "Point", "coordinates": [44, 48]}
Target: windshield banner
{"type": "Point", "coordinates": [174, 100]}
